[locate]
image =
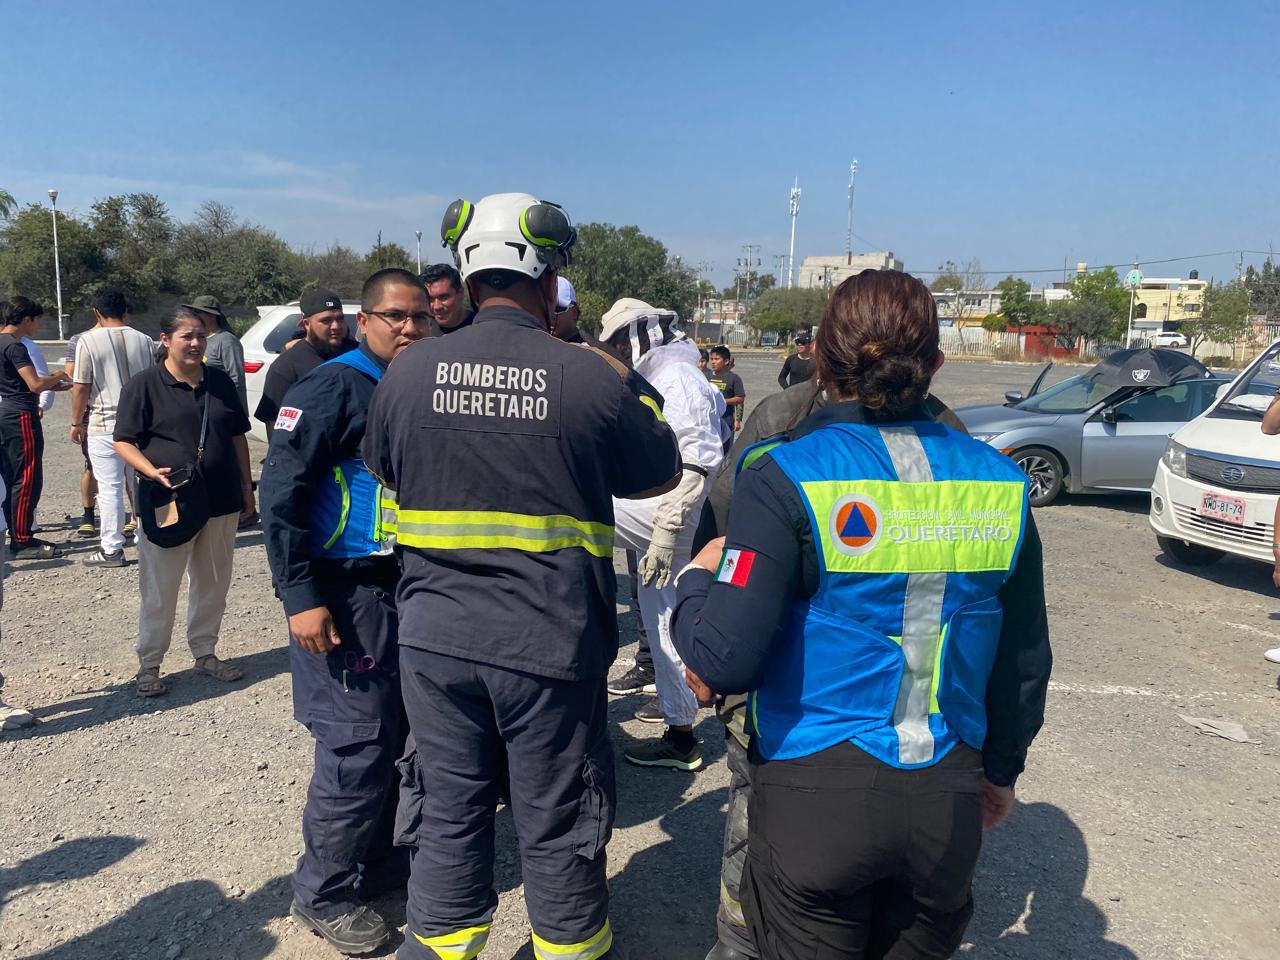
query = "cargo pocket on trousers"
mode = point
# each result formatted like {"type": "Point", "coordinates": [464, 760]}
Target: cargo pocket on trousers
{"type": "Point", "coordinates": [594, 826]}
{"type": "Point", "coordinates": [412, 795]}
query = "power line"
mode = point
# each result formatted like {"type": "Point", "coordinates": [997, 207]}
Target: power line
{"type": "Point", "coordinates": [1104, 266]}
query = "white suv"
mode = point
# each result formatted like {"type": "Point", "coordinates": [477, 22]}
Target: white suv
{"type": "Point", "coordinates": [1216, 486]}
{"type": "Point", "coordinates": [276, 326]}
{"type": "Point", "coordinates": [1169, 338]}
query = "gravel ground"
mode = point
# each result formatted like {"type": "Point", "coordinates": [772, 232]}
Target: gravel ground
{"type": "Point", "coordinates": [168, 828]}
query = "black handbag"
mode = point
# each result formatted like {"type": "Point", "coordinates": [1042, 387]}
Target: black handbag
{"type": "Point", "coordinates": [172, 517]}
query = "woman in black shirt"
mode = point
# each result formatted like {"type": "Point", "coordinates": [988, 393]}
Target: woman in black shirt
{"type": "Point", "coordinates": [158, 430]}
{"type": "Point", "coordinates": [21, 436]}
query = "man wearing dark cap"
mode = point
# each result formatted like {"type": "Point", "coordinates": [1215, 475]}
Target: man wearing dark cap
{"type": "Point", "coordinates": [223, 349]}
{"type": "Point", "coordinates": [324, 336]}
{"type": "Point", "coordinates": [798, 367]}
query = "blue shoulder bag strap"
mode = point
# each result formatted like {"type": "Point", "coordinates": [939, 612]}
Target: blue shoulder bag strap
{"type": "Point", "coordinates": [361, 361]}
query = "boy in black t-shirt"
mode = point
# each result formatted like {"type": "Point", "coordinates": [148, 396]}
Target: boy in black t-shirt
{"type": "Point", "coordinates": [728, 383]}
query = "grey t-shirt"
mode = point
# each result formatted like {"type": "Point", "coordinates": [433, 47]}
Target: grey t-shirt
{"type": "Point", "coordinates": [224, 352]}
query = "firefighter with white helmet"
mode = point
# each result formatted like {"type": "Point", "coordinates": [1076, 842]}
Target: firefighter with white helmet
{"type": "Point", "coordinates": [506, 448]}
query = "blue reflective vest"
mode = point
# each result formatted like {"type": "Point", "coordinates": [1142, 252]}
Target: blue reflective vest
{"type": "Point", "coordinates": [916, 529]}
{"type": "Point", "coordinates": [352, 514]}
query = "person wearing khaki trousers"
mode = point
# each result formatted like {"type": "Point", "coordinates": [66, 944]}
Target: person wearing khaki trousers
{"type": "Point", "coordinates": [176, 420]}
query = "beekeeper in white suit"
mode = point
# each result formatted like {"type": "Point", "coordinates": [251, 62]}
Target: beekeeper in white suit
{"type": "Point", "coordinates": [661, 529]}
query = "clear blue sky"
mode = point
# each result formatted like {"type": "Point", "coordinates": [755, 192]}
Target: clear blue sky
{"type": "Point", "coordinates": [1016, 132]}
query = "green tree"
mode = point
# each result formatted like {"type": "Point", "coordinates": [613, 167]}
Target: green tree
{"type": "Point", "coordinates": [788, 311]}
{"type": "Point", "coordinates": [26, 259]}
{"type": "Point", "coordinates": [338, 269]}
{"type": "Point", "coordinates": [1100, 305]}
{"type": "Point", "coordinates": [1224, 317]}
{"type": "Point", "coordinates": [948, 278]}
{"type": "Point", "coordinates": [750, 287]}
{"type": "Point", "coordinates": [241, 264]}
{"type": "Point", "coordinates": [7, 204]}
{"type": "Point", "coordinates": [135, 236]}
{"type": "Point", "coordinates": [1017, 309]}
{"type": "Point", "coordinates": [612, 262]}
{"type": "Point", "coordinates": [1263, 287]}
{"type": "Point", "coordinates": [384, 255]}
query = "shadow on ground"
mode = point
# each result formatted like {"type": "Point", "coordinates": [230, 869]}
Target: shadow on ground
{"type": "Point", "coordinates": [115, 700]}
{"type": "Point", "coordinates": [1033, 870]}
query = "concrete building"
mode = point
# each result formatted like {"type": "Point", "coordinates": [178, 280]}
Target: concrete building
{"type": "Point", "coordinates": [830, 272]}
{"type": "Point", "coordinates": [1163, 303]}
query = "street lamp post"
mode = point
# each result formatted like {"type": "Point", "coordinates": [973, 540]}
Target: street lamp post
{"type": "Point", "coordinates": [418, 234]}
{"type": "Point", "coordinates": [57, 271]}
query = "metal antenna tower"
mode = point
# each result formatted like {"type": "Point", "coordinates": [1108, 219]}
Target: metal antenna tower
{"type": "Point", "coordinates": [795, 209]}
{"type": "Point", "coordinates": [848, 236]}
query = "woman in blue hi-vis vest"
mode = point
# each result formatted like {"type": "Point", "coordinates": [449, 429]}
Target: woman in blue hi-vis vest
{"type": "Point", "coordinates": [880, 594]}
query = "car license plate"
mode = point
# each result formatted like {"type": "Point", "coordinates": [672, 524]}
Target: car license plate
{"type": "Point", "coordinates": [1226, 509]}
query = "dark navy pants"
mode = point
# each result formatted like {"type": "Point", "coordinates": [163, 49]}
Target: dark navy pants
{"type": "Point", "coordinates": [462, 715]}
{"type": "Point", "coordinates": [349, 700]}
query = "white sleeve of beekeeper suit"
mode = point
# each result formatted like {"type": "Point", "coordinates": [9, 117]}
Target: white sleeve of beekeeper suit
{"type": "Point", "coordinates": [689, 409]}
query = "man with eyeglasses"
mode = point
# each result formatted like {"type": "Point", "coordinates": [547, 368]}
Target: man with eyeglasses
{"type": "Point", "coordinates": [330, 529]}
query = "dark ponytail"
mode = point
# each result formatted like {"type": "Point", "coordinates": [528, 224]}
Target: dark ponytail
{"type": "Point", "coordinates": [878, 342]}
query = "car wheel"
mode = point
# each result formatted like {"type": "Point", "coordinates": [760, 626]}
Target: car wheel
{"type": "Point", "coordinates": [1189, 554]}
{"type": "Point", "coordinates": [1044, 470]}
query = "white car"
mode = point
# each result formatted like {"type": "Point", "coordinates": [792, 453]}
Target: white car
{"type": "Point", "coordinates": [1216, 486]}
{"type": "Point", "coordinates": [1169, 338]}
{"type": "Point", "coordinates": [263, 343]}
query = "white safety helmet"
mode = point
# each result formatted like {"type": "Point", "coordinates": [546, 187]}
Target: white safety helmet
{"type": "Point", "coordinates": [646, 326]}
{"type": "Point", "coordinates": [507, 231]}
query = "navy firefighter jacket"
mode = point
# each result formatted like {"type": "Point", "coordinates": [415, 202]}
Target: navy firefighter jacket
{"type": "Point", "coordinates": [319, 428]}
{"type": "Point", "coordinates": [505, 447]}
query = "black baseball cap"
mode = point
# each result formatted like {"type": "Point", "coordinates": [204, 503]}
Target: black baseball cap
{"type": "Point", "coordinates": [318, 301]}
{"type": "Point", "coordinates": [804, 337]}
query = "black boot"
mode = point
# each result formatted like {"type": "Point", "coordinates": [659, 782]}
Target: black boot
{"type": "Point", "coordinates": [358, 932]}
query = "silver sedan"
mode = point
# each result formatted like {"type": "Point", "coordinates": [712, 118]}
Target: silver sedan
{"type": "Point", "coordinates": [1086, 436]}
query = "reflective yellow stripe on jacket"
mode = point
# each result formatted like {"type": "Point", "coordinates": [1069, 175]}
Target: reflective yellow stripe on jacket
{"type": "Point", "coordinates": [490, 530]}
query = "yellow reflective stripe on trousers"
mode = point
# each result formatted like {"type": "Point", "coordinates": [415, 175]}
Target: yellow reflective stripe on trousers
{"type": "Point", "coordinates": [589, 949]}
{"type": "Point", "coordinates": [459, 945]}
{"type": "Point", "coordinates": [488, 530]}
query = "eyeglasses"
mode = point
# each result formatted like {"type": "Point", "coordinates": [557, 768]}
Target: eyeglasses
{"type": "Point", "coordinates": [398, 318]}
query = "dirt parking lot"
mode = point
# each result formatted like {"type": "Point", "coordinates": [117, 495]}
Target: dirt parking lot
{"type": "Point", "coordinates": [168, 828]}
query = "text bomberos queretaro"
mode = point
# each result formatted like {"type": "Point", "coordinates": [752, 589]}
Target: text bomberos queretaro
{"type": "Point", "coordinates": [490, 390]}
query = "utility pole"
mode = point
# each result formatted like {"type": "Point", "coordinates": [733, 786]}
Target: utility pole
{"type": "Point", "coordinates": [848, 237]}
{"type": "Point", "coordinates": [418, 234]}
{"type": "Point", "coordinates": [795, 209]}
{"type": "Point", "coordinates": [57, 270]}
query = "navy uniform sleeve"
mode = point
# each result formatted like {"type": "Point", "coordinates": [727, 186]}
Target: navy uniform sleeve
{"type": "Point", "coordinates": [297, 460]}
{"type": "Point", "coordinates": [725, 632]}
{"type": "Point", "coordinates": [645, 452]}
{"type": "Point", "coordinates": [376, 446]}
{"type": "Point", "coordinates": [1019, 679]}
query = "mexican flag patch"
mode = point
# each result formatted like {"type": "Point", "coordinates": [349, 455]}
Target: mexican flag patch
{"type": "Point", "coordinates": [735, 567]}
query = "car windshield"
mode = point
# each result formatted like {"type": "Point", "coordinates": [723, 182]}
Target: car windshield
{"type": "Point", "coordinates": [1073, 395]}
{"type": "Point", "coordinates": [1256, 389]}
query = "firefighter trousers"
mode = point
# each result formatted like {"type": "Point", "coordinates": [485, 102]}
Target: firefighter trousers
{"type": "Point", "coordinates": [462, 714]}
{"type": "Point", "coordinates": [349, 700]}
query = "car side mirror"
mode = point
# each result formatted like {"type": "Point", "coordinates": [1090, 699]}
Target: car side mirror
{"type": "Point", "coordinates": [1014, 396]}
{"type": "Point", "coordinates": [1108, 415]}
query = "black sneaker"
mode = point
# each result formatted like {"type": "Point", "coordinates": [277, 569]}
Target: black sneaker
{"type": "Point", "coordinates": [34, 549]}
{"type": "Point", "coordinates": [100, 559]}
{"type": "Point", "coordinates": [665, 753]}
{"type": "Point", "coordinates": [635, 680]}
{"type": "Point", "coordinates": [651, 713]}
{"type": "Point", "coordinates": [355, 933]}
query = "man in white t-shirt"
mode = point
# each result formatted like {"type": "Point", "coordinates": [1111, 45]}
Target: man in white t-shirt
{"type": "Point", "coordinates": [107, 357]}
